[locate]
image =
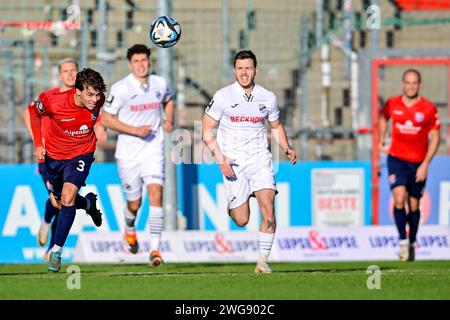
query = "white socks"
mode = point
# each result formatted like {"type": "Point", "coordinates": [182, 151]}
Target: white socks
{"type": "Point", "coordinates": [56, 248]}
{"type": "Point", "coordinates": [265, 244]}
{"type": "Point", "coordinates": [156, 225]}
{"type": "Point", "coordinates": [130, 218]}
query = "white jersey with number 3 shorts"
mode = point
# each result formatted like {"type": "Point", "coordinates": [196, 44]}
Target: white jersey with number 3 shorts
{"type": "Point", "coordinates": [140, 161]}
{"type": "Point", "coordinates": [241, 136]}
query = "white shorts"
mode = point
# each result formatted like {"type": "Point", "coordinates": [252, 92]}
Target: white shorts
{"type": "Point", "coordinates": [135, 174]}
{"type": "Point", "coordinates": [251, 177]}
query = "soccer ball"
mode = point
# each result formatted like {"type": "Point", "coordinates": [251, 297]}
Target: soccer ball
{"type": "Point", "coordinates": [165, 32]}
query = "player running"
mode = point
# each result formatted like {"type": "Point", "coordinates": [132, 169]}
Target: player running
{"type": "Point", "coordinates": [67, 69]}
{"type": "Point", "coordinates": [133, 109]}
{"type": "Point", "coordinates": [415, 139]}
{"type": "Point", "coordinates": [240, 111]}
{"type": "Point", "coordinates": [70, 142]}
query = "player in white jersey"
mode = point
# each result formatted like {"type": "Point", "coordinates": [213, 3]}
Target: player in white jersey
{"type": "Point", "coordinates": [133, 109]}
{"type": "Point", "coordinates": [240, 111]}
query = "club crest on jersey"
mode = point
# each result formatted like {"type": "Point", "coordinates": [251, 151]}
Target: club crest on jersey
{"type": "Point", "coordinates": [158, 95]}
{"type": "Point", "coordinates": [262, 108]}
{"type": "Point", "coordinates": [419, 116]}
{"type": "Point", "coordinates": [392, 179]}
{"type": "Point", "coordinates": [39, 106]}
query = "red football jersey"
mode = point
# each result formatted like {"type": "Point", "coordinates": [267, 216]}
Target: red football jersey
{"type": "Point", "coordinates": [410, 127]}
{"type": "Point", "coordinates": [71, 130]}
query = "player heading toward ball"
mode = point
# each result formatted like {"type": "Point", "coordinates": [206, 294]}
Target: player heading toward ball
{"type": "Point", "coordinates": [70, 142]}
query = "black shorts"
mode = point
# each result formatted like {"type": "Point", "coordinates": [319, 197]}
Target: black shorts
{"type": "Point", "coordinates": [74, 170]}
{"type": "Point", "coordinates": [403, 173]}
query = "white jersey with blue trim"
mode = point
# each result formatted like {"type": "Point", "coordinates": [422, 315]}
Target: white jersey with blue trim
{"type": "Point", "coordinates": [242, 131]}
{"type": "Point", "coordinates": [138, 105]}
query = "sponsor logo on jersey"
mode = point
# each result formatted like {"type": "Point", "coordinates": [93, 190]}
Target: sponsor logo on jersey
{"type": "Point", "coordinates": [145, 106]}
{"type": "Point", "coordinates": [407, 128]}
{"type": "Point", "coordinates": [252, 119]}
{"type": "Point", "coordinates": [133, 96]}
{"type": "Point", "coordinates": [78, 133]}
{"type": "Point", "coordinates": [67, 120]}
{"type": "Point", "coordinates": [419, 116]}
{"type": "Point", "coordinates": [398, 112]}
{"type": "Point", "coordinates": [234, 105]}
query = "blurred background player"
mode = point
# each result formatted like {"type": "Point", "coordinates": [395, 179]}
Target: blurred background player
{"type": "Point", "coordinates": [70, 143]}
{"type": "Point", "coordinates": [414, 141]}
{"type": "Point", "coordinates": [240, 111]}
{"type": "Point", "coordinates": [133, 109]}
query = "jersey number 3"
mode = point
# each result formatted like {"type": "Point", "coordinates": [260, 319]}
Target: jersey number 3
{"type": "Point", "coordinates": [81, 165]}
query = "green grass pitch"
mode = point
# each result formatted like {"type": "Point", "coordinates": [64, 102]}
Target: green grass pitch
{"type": "Point", "coordinates": [289, 281]}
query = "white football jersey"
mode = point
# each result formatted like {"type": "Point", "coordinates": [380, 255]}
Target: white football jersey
{"type": "Point", "coordinates": [137, 106]}
{"type": "Point", "coordinates": [242, 130]}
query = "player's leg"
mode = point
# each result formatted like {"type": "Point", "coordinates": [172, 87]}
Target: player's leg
{"type": "Point", "coordinates": [65, 222]}
{"type": "Point", "coordinates": [415, 191]}
{"type": "Point", "coordinates": [152, 171]}
{"type": "Point", "coordinates": [413, 222]}
{"type": "Point", "coordinates": [241, 214]}
{"type": "Point", "coordinates": [72, 174]}
{"type": "Point", "coordinates": [238, 193]}
{"type": "Point", "coordinates": [398, 180]}
{"type": "Point", "coordinates": [52, 237]}
{"type": "Point", "coordinates": [50, 210]}
{"type": "Point", "coordinates": [399, 194]}
{"type": "Point", "coordinates": [263, 187]}
{"type": "Point", "coordinates": [44, 228]}
{"type": "Point", "coordinates": [155, 221]}
{"type": "Point", "coordinates": [76, 171]}
{"type": "Point", "coordinates": [132, 186]}
{"type": "Point", "coordinates": [265, 198]}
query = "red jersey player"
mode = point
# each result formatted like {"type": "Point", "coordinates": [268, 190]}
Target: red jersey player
{"type": "Point", "coordinates": [67, 69]}
{"type": "Point", "coordinates": [70, 143]}
{"type": "Point", "coordinates": [415, 139]}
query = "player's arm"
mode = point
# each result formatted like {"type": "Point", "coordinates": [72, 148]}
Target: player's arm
{"type": "Point", "coordinates": [279, 134]}
{"type": "Point", "coordinates": [208, 127]}
{"type": "Point", "coordinates": [169, 111]}
{"type": "Point", "coordinates": [36, 111]}
{"type": "Point", "coordinates": [382, 130]}
{"type": "Point", "coordinates": [26, 120]}
{"type": "Point", "coordinates": [111, 121]}
{"type": "Point", "coordinates": [433, 145]}
{"type": "Point", "coordinates": [100, 131]}
{"type": "Point", "coordinates": [383, 124]}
